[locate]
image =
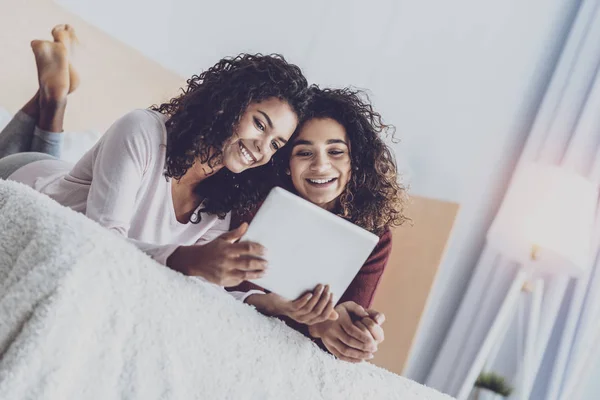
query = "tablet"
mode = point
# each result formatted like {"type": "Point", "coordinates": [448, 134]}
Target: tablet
{"type": "Point", "coordinates": [307, 245]}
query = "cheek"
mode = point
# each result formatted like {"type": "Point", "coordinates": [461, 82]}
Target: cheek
{"type": "Point", "coordinates": [229, 146]}
{"type": "Point", "coordinates": [245, 130]}
{"type": "Point", "coordinates": [296, 171]}
{"type": "Point", "coordinates": [347, 173]}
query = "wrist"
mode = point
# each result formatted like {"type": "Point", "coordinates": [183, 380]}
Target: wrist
{"type": "Point", "coordinates": [316, 330]}
{"type": "Point", "coordinates": [261, 302]}
{"type": "Point", "coordinates": [177, 260]}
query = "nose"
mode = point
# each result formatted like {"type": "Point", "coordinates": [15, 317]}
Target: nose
{"type": "Point", "coordinates": [320, 163]}
{"type": "Point", "coordinates": [262, 146]}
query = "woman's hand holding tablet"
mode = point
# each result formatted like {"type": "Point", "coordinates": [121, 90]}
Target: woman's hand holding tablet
{"type": "Point", "coordinates": [310, 308]}
{"type": "Point", "coordinates": [224, 261]}
{"type": "Point", "coordinates": [354, 335]}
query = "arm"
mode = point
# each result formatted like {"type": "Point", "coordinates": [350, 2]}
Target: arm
{"type": "Point", "coordinates": [309, 309]}
{"type": "Point", "coordinates": [363, 286]}
{"type": "Point", "coordinates": [127, 149]}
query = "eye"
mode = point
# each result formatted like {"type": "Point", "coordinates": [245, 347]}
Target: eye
{"type": "Point", "coordinates": [275, 145]}
{"type": "Point", "coordinates": [304, 153]}
{"type": "Point", "coordinates": [259, 124]}
{"type": "Point", "coordinates": [336, 152]}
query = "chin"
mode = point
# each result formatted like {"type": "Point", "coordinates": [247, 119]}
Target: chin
{"type": "Point", "coordinates": [319, 200]}
{"type": "Point", "coordinates": [234, 166]}
{"type": "Point", "coordinates": [236, 169]}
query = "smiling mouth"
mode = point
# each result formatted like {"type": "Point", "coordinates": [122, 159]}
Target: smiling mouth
{"type": "Point", "coordinates": [247, 156]}
{"type": "Point", "coordinates": [320, 182]}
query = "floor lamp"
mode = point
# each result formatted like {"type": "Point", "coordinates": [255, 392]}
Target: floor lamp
{"type": "Point", "coordinates": [545, 224]}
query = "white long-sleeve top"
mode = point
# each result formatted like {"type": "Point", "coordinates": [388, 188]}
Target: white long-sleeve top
{"type": "Point", "coordinates": [120, 183]}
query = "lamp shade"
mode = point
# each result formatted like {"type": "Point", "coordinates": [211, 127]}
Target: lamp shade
{"type": "Point", "coordinates": [546, 219]}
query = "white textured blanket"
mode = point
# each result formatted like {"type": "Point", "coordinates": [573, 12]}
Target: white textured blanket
{"type": "Point", "coordinates": [85, 315]}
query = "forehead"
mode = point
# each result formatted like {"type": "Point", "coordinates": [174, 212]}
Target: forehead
{"type": "Point", "coordinates": [322, 130]}
{"type": "Point", "coordinates": [274, 107]}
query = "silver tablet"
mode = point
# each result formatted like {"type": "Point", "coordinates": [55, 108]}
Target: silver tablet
{"type": "Point", "coordinates": [307, 245]}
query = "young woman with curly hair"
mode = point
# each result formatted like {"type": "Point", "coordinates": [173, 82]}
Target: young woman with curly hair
{"type": "Point", "coordinates": [164, 177]}
{"type": "Point", "coordinates": [337, 159]}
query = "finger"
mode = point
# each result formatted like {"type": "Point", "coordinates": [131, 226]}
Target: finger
{"type": "Point", "coordinates": [329, 311]}
{"type": "Point", "coordinates": [322, 303]}
{"type": "Point", "coordinates": [374, 328]}
{"type": "Point", "coordinates": [356, 309]}
{"type": "Point", "coordinates": [376, 316]}
{"type": "Point", "coordinates": [317, 293]}
{"type": "Point", "coordinates": [342, 357]}
{"type": "Point", "coordinates": [301, 301]}
{"type": "Point", "coordinates": [372, 343]}
{"type": "Point", "coordinates": [333, 315]}
{"type": "Point", "coordinates": [250, 275]}
{"type": "Point", "coordinates": [349, 352]}
{"type": "Point", "coordinates": [245, 248]}
{"type": "Point", "coordinates": [247, 263]}
{"type": "Point", "coordinates": [360, 332]}
{"type": "Point", "coordinates": [325, 314]}
{"type": "Point", "coordinates": [333, 350]}
{"type": "Point", "coordinates": [236, 234]}
{"type": "Point", "coordinates": [349, 341]}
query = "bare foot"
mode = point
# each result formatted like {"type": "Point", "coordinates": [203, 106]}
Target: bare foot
{"type": "Point", "coordinates": [53, 71]}
{"type": "Point", "coordinates": [65, 34]}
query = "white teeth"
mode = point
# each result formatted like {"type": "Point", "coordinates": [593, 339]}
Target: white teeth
{"type": "Point", "coordinates": [321, 180]}
{"type": "Point", "coordinates": [246, 155]}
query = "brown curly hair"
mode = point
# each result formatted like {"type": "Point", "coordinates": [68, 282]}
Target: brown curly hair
{"type": "Point", "coordinates": [207, 113]}
{"type": "Point", "coordinates": [373, 198]}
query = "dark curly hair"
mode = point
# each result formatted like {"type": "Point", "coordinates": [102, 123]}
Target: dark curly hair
{"type": "Point", "coordinates": [373, 198]}
{"type": "Point", "coordinates": [206, 115]}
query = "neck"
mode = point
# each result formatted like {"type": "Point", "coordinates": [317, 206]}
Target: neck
{"type": "Point", "coordinates": [183, 191]}
{"type": "Point", "coordinates": [330, 206]}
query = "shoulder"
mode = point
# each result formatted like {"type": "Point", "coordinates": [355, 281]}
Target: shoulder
{"type": "Point", "coordinates": [139, 129]}
{"type": "Point", "coordinates": [381, 252]}
{"type": "Point", "coordinates": [149, 122]}
{"type": "Point", "coordinates": [385, 240]}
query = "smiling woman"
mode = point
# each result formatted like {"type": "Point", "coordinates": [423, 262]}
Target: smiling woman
{"type": "Point", "coordinates": [338, 160]}
{"type": "Point", "coordinates": [320, 166]}
{"type": "Point", "coordinates": [263, 129]}
{"type": "Point", "coordinates": [231, 118]}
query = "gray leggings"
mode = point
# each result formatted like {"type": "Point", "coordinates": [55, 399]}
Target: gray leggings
{"type": "Point", "coordinates": [22, 142]}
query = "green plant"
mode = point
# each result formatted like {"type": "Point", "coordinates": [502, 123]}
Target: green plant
{"type": "Point", "coordinates": [495, 383]}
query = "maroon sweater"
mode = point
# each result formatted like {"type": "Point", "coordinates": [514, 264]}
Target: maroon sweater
{"type": "Point", "coordinates": [363, 286]}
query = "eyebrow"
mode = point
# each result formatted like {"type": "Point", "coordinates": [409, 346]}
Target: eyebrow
{"type": "Point", "coordinates": [270, 123]}
{"type": "Point", "coordinates": [330, 141]}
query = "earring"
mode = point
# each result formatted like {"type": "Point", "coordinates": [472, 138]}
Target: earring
{"type": "Point", "coordinates": [287, 171]}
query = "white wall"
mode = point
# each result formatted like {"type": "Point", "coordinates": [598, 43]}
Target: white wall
{"type": "Point", "coordinates": [461, 81]}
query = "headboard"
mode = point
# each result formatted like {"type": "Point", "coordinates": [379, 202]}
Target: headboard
{"type": "Point", "coordinates": [117, 79]}
{"type": "Point", "coordinates": [417, 250]}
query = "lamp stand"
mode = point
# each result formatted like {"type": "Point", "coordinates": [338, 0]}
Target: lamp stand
{"type": "Point", "coordinates": [493, 340]}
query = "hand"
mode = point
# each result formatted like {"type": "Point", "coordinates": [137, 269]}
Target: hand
{"type": "Point", "coordinates": [224, 261]}
{"type": "Point", "coordinates": [354, 336]}
{"type": "Point", "coordinates": [310, 308]}
{"type": "Point", "coordinates": [373, 324]}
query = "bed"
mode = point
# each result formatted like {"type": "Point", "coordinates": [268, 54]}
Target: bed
{"type": "Point", "coordinates": [65, 280]}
